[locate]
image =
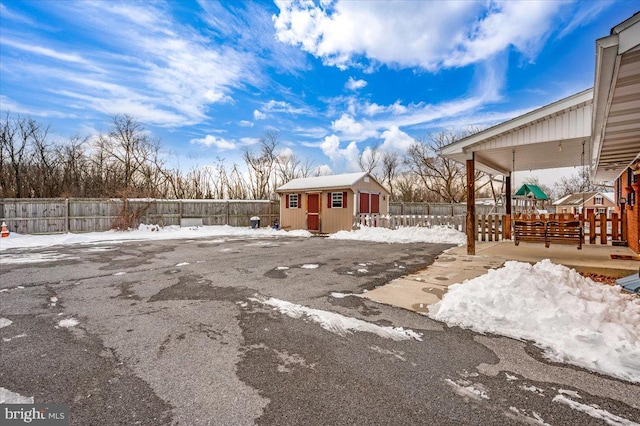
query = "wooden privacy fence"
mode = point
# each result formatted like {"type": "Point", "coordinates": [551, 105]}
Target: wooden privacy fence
{"type": "Point", "coordinates": [438, 209]}
{"type": "Point", "coordinates": [497, 227]}
{"type": "Point", "coordinates": [54, 215]}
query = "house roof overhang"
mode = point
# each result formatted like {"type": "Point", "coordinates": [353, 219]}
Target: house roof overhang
{"type": "Point", "coordinates": [526, 142]}
{"type": "Point", "coordinates": [615, 139]}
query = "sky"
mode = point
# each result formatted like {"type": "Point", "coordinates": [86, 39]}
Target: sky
{"type": "Point", "coordinates": [332, 78]}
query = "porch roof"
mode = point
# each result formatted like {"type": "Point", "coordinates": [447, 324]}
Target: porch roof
{"type": "Point", "coordinates": [615, 143]}
{"type": "Point", "coordinates": [548, 137]}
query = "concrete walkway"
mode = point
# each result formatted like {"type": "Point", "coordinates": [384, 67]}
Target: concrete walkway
{"type": "Point", "coordinates": [416, 292]}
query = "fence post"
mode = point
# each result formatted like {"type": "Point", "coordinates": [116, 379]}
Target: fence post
{"type": "Point", "coordinates": [592, 229]}
{"type": "Point", "coordinates": [66, 215]}
{"type": "Point", "coordinates": [227, 215]}
{"type": "Point", "coordinates": [614, 227]}
{"type": "Point", "coordinates": [603, 228]}
{"type": "Point", "coordinates": [180, 212]}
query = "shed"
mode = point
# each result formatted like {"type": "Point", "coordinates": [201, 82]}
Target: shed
{"type": "Point", "coordinates": [328, 204]}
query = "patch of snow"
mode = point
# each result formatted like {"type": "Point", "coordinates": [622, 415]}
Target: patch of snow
{"type": "Point", "coordinates": [594, 412]}
{"type": "Point", "coordinates": [22, 258]}
{"type": "Point", "coordinates": [4, 290]}
{"type": "Point", "coordinates": [8, 339]}
{"type": "Point", "coordinates": [5, 322]}
{"type": "Point", "coordinates": [8, 397]}
{"type": "Point", "coordinates": [466, 389]}
{"type": "Point", "coordinates": [363, 270]}
{"type": "Point", "coordinates": [532, 389]}
{"type": "Point", "coordinates": [396, 354]}
{"type": "Point", "coordinates": [53, 299]}
{"type": "Point", "coordinates": [119, 273]}
{"type": "Point", "coordinates": [20, 287]}
{"type": "Point", "coordinates": [145, 232]}
{"type": "Point", "coordinates": [69, 322]}
{"type": "Point", "coordinates": [183, 264]}
{"type": "Point", "coordinates": [570, 393]}
{"type": "Point", "coordinates": [281, 268]}
{"type": "Point", "coordinates": [343, 295]}
{"type": "Point", "coordinates": [336, 323]}
{"type": "Point", "coordinates": [414, 234]}
{"type": "Point", "coordinates": [572, 318]}
{"type": "Point", "coordinates": [310, 266]}
{"type": "Point", "coordinates": [510, 377]}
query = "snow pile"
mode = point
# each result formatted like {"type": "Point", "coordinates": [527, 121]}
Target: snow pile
{"type": "Point", "coordinates": [8, 397]}
{"type": "Point", "coordinates": [69, 322]}
{"type": "Point", "coordinates": [145, 232]}
{"type": "Point", "coordinates": [414, 234]}
{"type": "Point", "coordinates": [336, 323]}
{"type": "Point", "coordinates": [573, 319]}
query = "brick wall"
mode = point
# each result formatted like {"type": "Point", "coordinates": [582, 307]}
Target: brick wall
{"type": "Point", "coordinates": [633, 214]}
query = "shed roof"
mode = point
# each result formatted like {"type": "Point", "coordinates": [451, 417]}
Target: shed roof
{"type": "Point", "coordinates": [325, 182]}
{"type": "Point", "coordinates": [534, 189]}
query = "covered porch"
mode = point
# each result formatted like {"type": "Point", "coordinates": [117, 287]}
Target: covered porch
{"type": "Point", "coordinates": [598, 128]}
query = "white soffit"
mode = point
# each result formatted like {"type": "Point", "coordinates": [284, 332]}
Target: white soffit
{"type": "Point", "coordinates": [616, 119]}
{"type": "Point", "coordinates": [549, 137]}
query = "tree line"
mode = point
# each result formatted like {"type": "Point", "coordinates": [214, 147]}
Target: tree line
{"type": "Point", "coordinates": [127, 161]}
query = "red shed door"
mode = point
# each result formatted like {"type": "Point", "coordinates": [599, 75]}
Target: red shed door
{"type": "Point", "coordinates": [313, 212]}
{"type": "Point", "coordinates": [364, 203]}
{"type": "Point", "coordinates": [375, 203]}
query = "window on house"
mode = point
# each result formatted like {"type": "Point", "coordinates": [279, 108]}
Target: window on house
{"type": "Point", "coordinates": [293, 201]}
{"type": "Point", "coordinates": [336, 200]}
{"type": "Point", "coordinates": [598, 200]}
{"type": "Point", "coordinates": [602, 210]}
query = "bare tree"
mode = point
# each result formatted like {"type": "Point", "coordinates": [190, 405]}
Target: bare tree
{"type": "Point", "coordinates": [261, 166]}
{"type": "Point", "coordinates": [391, 164]}
{"type": "Point", "coordinates": [369, 160]}
{"type": "Point", "coordinates": [576, 183]}
{"type": "Point", "coordinates": [131, 148]}
{"type": "Point", "coordinates": [442, 178]}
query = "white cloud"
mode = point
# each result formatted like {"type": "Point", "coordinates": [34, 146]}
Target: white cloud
{"type": "Point", "coordinates": [44, 51]}
{"type": "Point", "coordinates": [341, 157]}
{"type": "Point", "coordinates": [258, 115]}
{"type": "Point", "coordinates": [168, 71]}
{"type": "Point", "coordinates": [348, 127]}
{"type": "Point", "coordinates": [341, 33]}
{"type": "Point", "coordinates": [372, 109]}
{"type": "Point", "coordinates": [323, 170]}
{"type": "Point", "coordinates": [249, 141]}
{"type": "Point", "coordinates": [353, 84]}
{"type": "Point", "coordinates": [283, 107]}
{"type": "Point", "coordinates": [246, 123]}
{"type": "Point", "coordinates": [396, 140]}
{"type": "Point", "coordinates": [210, 140]}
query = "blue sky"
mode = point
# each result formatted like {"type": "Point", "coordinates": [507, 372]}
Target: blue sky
{"type": "Point", "coordinates": [332, 77]}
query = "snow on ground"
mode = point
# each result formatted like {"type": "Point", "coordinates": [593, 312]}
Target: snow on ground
{"type": "Point", "coordinates": [310, 266]}
{"type": "Point", "coordinates": [574, 319]}
{"type": "Point", "coordinates": [414, 234]}
{"type": "Point", "coordinates": [594, 411]}
{"type": "Point", "coordinates": [4, 322]}
{"type": "Point", "coordinates": [144, 232]}
{"type": "Point", "coordinates": [69, 322]}
{"type": "Point", "coordinates": [8, 397]}
{"type": "Point", "coordinates": [337, 323]}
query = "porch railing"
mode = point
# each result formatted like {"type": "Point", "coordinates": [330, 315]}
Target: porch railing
{"type": "Point", "coordinates": [598, 229]}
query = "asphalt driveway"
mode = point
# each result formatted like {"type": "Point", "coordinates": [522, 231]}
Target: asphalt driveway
{"type": "Point", "coordinates": [177, 332]}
